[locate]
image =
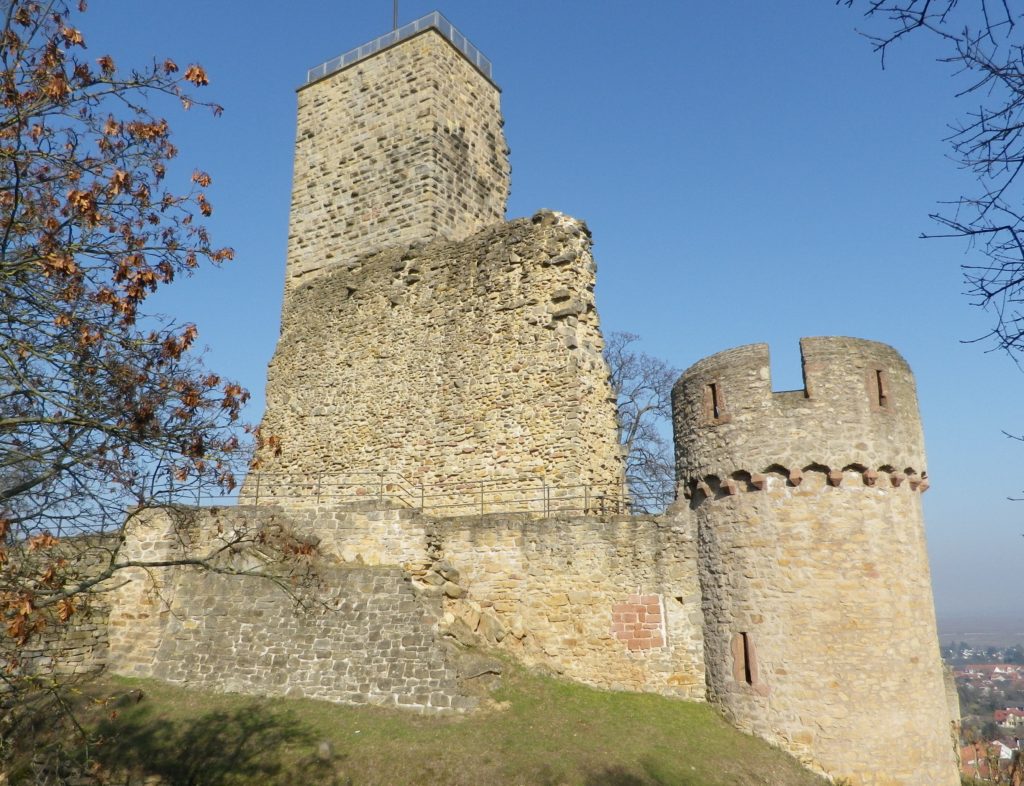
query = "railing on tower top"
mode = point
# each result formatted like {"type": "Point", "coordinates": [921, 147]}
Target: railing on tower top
{"type": "Point", "coordinates": [432, 20]}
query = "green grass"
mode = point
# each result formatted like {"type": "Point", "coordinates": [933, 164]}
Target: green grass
{"type": "Point", "coordinates": [543, 731]}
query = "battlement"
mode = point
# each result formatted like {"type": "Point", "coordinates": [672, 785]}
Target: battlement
{"type": "Point", "coordinates": [857, 410]}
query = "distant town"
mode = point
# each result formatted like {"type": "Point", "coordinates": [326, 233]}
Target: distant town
{"type": "Point", "coordinates": [990, 683]}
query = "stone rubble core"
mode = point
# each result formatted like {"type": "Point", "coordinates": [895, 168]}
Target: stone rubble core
{"type": "Point", "coordinates": [448, 364]}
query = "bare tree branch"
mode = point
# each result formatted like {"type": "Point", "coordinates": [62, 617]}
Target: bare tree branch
{"type": "Point", "coordinates": [984, 44]}
{"type": "Point", "coordinates": [643, 391]}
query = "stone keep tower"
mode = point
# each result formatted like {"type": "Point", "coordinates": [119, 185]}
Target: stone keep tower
{"type": "Point", "coordinates": [398, 141]}
{"type": "Point", "coordinates": [819, 620]}
{"type": "Point", "coordinates": [424, 341]}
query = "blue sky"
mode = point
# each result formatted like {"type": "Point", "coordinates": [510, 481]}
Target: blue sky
{"type": "Point", "coordinates": [749, 172]}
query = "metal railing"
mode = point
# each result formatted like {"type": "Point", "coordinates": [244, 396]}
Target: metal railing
{"type": "Point", "coordinates": [432, 20]}
{"type": "Point", "coordinates": [379, 490]}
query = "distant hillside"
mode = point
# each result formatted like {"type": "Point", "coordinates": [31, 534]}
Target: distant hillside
{"type": "Point", "coordinates": [982, 628]}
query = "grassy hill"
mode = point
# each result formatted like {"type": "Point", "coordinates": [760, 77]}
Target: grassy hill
{"type": "Point", "coordinates": [535, 730]}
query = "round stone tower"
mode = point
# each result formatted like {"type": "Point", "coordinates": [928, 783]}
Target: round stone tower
{"type": "Point", "coordinates": [819, 620]}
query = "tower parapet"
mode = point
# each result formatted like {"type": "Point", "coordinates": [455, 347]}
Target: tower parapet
{"type": "Point", "coordinates": [858, 409]}
{"type": "Point", "coordinates": [819, 623]}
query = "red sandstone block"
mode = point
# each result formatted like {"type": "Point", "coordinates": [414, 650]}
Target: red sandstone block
{"type": "Point", "coordinates": [651, 599]}
{"type": "Point", "coordinates": [633, 644]}
{"type": "Point", "coordinates": [642, 634]}
{"type": "Point", "coordinates": [633, 599]}
{"type": "Point", "coordinates": [629, 618]}
{"type": "Point", "coordinates": [657, 641]}
{"type": "Point", "coordinates": [654, 608]}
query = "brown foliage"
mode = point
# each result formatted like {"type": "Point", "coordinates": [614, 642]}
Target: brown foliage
{"type": "Point", "coordinates": [103, 408]}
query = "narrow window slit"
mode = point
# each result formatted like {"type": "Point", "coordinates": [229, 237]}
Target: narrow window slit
{"type": "Point", "coordinates": [748, 671]}
{"type": "Point", "coordinates": [713, 399]}
{"type": "Point", "coordinates": [744, 660]}
{"type": "Point", "coordinates": [881, 388]}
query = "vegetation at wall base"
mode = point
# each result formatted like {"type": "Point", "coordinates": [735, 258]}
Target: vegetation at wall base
{"type": "Point", "coordinates": [537, 730]}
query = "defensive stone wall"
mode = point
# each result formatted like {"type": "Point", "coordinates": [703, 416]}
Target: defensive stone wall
{"type": "Point", "coordinates": [400, 148]}
{"type": "Point", "coordinates": [448, 364]}
{"type": "Point", "coordinates": [365, 637]}
{"type": "Point", "coordinates": [78, 647]}
{"type": "Point", "coordinates": [609, 601]}
{"type": "Point", "coordinates": [819, 624]}
{"type": "Point", "coordinates": [359, 634]}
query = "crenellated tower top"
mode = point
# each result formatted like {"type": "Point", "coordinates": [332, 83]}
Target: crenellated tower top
{"type": "Point", "coordinates": [857, 410]}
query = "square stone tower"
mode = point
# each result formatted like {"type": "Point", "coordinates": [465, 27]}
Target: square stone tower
{"type": "Point", "coordinates": [429, 349]}
{"type": "Point", "coordinates": [398, 141]}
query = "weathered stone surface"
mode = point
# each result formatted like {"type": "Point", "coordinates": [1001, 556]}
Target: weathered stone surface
{"type": "Point", "coordinates": [452, 590]}
{"type": "Point", "coordinates": [78, 646]}
{"type": "Point", "coordinates": [471, 385]}
{"type": "Point", "coordinates": [402, 147]}
{"type": "Point", "coordinates": [383, 336]}
{"type": "Point", "coordinates": [819, 625]}
{"type": "Point", "coordinates": [842, 419]}
{"type": "Point", "coordinates": [359, 635]}
{"type": "Point", "coordinates": [552, 585]}
{"type": "Point", "coordinates": [491, 628]}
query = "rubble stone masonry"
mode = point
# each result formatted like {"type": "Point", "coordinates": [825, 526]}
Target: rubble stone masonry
{"type": "Point", "coordinates": [401, 147]}
{"type": "Point", "coordinates": [358, 635]}
{"type": "Point", "coordinates": [819, 624]}
{"type": "Point", "coordinates": [445, 364]}
{"type": "Point", "coordinates": [550, 591]}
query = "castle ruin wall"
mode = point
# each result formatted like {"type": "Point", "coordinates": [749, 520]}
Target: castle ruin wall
{"type": "Point", "coordinates": [455, 362]}
{"type": "Point", "coordinates": [610, 602]}
{"type": "Point", "coordinates": [357, 635]}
